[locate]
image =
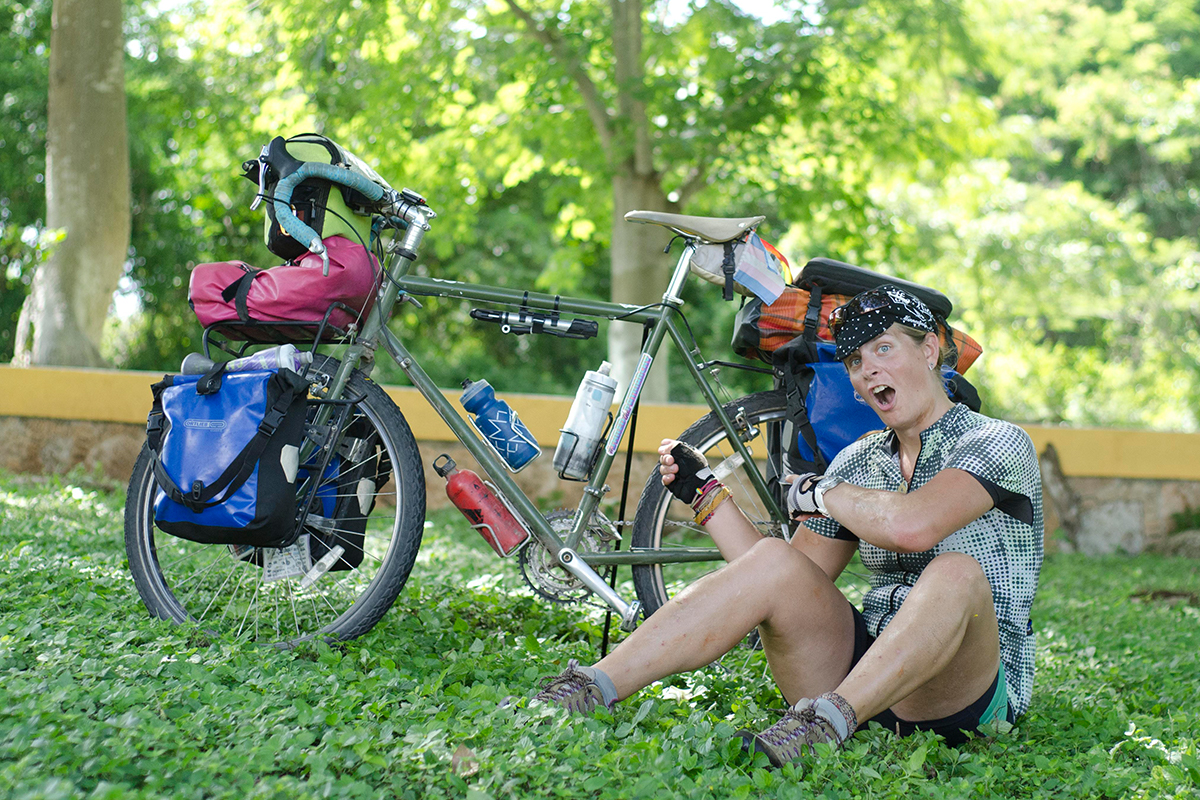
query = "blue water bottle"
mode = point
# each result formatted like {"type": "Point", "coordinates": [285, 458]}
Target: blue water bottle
{"type": "Point", "coordinates": [499, 425]}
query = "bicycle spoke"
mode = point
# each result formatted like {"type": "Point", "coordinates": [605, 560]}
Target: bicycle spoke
{"type": "Point", "coordinates": [217, 594]}
{"type": "Point", "coordinates": [229, 602]}
{"type": "Point", "coordinates": [195, 577]}
{"type": "Point", "coordinates": [292, 606]}
{"type": "Point", "coordinates": [253, 603]}
{"type": "Point", "coordinates": [322, 595]}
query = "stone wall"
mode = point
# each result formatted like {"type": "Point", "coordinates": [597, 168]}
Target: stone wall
{"type": "Point", "coordinates": [51, 446]}
{"type": "Point", "coordinates": [1116, 514]}
{"type": "Point", "coordinates": [1124, 514]}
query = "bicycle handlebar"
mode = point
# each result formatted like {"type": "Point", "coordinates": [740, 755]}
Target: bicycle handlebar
{"type": "Point", "coordinates": [292, 225]}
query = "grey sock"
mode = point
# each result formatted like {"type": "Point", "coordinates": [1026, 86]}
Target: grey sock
{"type": "Point", "coordinates": [608, 689]}
{"type": "Point", "coordinates": [829, 710]}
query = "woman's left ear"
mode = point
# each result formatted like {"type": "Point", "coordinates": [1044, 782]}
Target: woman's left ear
{"type": "Point", "coordinates": [932, 348]}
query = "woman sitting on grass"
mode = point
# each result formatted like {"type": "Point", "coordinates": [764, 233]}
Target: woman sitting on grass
{"type": "Point", "coordinates": [945, 509]}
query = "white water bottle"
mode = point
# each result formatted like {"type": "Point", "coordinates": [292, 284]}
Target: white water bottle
{"type": "Point", "coordinates": [585, 424]}
{"type": "Point", "coordinates": [284, 356]}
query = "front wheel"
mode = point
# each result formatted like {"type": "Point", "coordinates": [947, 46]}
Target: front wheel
{"type": "Point", "coordinates": [369, 503]}
{"type": "Point", "coordinates": [662, 522]}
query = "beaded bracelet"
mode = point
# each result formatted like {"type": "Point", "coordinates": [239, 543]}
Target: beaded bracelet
{"type": "Point", "coordinates": [710, 506]}
{"type": "Point", "coordinates": [707, 517]}
{"type": "Point", "coordinates": [702, 494]}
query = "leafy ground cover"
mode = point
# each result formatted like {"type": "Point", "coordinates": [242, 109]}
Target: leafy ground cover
{"type": "Point", "coordinates": [100, 701]}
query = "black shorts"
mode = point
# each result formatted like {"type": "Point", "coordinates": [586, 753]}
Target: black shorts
{"type": "Point", "coordinates": [953, 728]}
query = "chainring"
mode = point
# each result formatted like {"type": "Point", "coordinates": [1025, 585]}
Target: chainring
{"type": "Point", "coordinates": [542, 571]}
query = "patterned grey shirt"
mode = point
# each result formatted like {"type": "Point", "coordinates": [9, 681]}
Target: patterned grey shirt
{"type": "Point", "coordinates": [1006, 541]}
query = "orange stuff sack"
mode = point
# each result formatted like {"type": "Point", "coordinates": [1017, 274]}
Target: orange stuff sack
{"type": "Point", "coordinates": [824, 284]}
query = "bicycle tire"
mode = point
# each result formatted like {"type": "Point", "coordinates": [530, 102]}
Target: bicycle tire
{"type": "Point", "coordinates": [183, 581]}
{"type": "Point", "coordinates": [661, 521]}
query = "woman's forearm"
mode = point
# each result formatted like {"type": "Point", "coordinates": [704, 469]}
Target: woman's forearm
{"type": "Point", "coordinates": [911, 522]}
{"type": "Point", "coordinates": [731, 531]}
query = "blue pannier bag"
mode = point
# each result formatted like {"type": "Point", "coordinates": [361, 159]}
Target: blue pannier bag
{"type": "Point", "coordinates": [824, 414]}
{"type": "Point", "coordinates": [220, 443]}
{"type": "Point", "coordinates": [337, 499]}
{"type": "Point", "coordinates": [361, 458]}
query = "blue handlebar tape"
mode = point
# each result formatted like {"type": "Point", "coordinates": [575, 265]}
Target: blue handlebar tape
{"type": "Point", "coordinates": [291, 225]}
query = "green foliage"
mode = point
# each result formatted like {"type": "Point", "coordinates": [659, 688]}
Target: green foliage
{"type": "Point", "coordinates": [1104, 91]}
{"type": "Point", "coordinates": [190, 204]}
{"type": "Point", "coordinates": [1083, 318]}
{"type": "Point", "coordinates": [102, 701]}
{"type": "Point", "coordinates": [1036, 161]}
{"type": "Point", "coordinates": [1186, 520]}
{"type": "Point", "coordinates": [1073, 258]}
{"type": "Point", "coordinates": [504, 140]}
{"type": "Point", "coordinates": [24, 64]}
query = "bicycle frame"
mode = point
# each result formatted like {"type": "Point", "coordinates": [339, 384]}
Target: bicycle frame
{"type": "Point", "coordinates": [661, 321]}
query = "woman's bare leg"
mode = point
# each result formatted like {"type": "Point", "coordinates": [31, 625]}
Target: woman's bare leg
{"type": "Point", "coordinates": [939, 654]}
{"type": "Point", "coordinates": [807, 625]}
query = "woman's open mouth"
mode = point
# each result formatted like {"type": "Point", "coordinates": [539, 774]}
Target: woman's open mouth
{"type": "Point", "coordinates": [885, 397]}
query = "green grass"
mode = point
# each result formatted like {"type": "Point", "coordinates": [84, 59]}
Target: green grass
{"type": "Point", "coordinates": [101, 701]}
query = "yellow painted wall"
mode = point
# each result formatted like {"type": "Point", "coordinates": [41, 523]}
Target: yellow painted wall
{"type": "Point", "coordinates": [123, 396]}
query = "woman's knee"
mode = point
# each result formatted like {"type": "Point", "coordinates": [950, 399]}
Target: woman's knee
{"type": "Point", "coordinates": [774, 565]}
{"type": "Point", "coordinates": [958, 572]}
{"type": "Point", "coordinates": [800, 599]}
{"type": "Point", "coordinates": [772, 556]}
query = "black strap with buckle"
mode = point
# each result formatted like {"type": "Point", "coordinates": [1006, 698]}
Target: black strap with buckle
{"type": "Point", "coordinates": [812, 316]}
{"type": "Point", "coordinates": [728, 267]}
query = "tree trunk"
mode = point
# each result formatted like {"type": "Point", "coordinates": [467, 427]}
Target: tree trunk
{"type": "Point", "coordinates": [639, 268]}
{"type": "Point", "coordinates": [1061, 495]}
{"type": "Point", "coordinates": [640, 272]}
{"type": "Point", "coordinates": [87, 188]}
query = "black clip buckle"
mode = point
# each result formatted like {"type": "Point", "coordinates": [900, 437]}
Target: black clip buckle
{"type": "Point", "coordinates": [197, 490]}
{"type": "Point", "coordinates": [271, 421]}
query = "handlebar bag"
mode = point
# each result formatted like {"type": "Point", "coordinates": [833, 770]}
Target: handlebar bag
{"type": "Point", "coordinates": [760, 329]}
{"type": "Point", "coordinates": [233, 291]}
{"type": "Point", "coordinates": [222, 443]}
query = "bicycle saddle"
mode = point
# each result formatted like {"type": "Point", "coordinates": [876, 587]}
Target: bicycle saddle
{"type": "Point", "coordinates": [711, 230]}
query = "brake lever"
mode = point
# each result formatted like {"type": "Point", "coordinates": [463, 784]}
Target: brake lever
{"type": "Point", "coordinates": [318, 247]}
{"type": "Point", "coordinates": [262, 178]}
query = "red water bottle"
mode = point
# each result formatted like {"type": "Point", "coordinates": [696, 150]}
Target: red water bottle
{"type": "Point", "coordinates": [486, 512]}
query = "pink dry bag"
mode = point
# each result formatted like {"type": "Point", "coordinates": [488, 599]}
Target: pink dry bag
{"type": "Point", "coordinates": [233, 291]}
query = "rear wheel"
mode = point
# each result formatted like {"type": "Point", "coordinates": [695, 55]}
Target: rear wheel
{"type": "Point", "coordinates": [664, 522]}
{"type": "Point", "coordinates": [370, 503]}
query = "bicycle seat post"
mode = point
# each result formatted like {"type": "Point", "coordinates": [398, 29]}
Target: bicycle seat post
{"type": "Point", "coordinates": [671, 296]}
